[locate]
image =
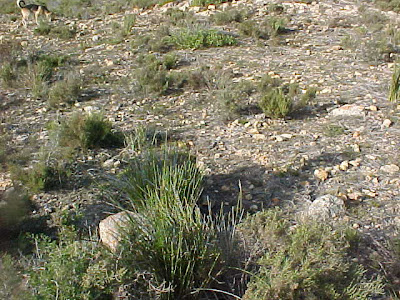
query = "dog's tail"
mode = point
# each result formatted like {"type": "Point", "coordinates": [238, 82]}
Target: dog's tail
{"type": "Point", "coordinates": [21, 3]}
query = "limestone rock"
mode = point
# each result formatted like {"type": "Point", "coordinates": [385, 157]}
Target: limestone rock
{"type": "Point", "coordinates": [348, 110]}
{"type": "Point", "coordinates": [112, 228]}
{"type": "Point", "coordinates": [326, 207]}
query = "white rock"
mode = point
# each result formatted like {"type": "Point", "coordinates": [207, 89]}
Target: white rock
{"type": "Point", "coordinates": [109, 163]}
{"type": "Point", "coordinates": [390, 168]}
{"type": "Point", "coordinates": [386, 123]}
{"type": "Point", "coordinates": [113, 228]}
{"type": "Point", "coordinates": [326, 207]}
{"type": "Point", "coordinates": [348, 110]}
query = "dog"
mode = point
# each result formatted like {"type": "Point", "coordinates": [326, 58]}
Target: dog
{"type": "Point", "coordinates": [35, 9]}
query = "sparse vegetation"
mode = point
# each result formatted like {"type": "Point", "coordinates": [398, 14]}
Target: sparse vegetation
{"type": "Point", "coordinates": [309, 261]}
{"type": "Point", "coordinates": [86, 131]}
{"type": "Point", "coordinates": [66, 91]}
{"type": "Point", "coordinates": [394, 91]}
{"type": "Point", "coordinates": [201, 38]}
{"type": "Point", "coordinates": [61, 32]}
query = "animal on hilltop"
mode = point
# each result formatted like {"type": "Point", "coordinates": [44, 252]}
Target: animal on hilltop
{"type": "Point", "coordinates": [35, 9]}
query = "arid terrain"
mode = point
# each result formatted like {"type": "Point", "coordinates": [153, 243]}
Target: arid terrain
{"type": "Point", "coordinates": [343, 142]}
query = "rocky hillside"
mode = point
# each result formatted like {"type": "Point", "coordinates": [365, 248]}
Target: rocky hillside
{"type": "Point", "coordinates": [195, 76]}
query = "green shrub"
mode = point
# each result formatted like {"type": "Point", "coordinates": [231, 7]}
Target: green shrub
{"type": "Point", "coordinates": [148, 3]}
{"type": "Point", "coordinates": [168, 239]}
{"type": "Point", "coordinates": [270, 27]}
{"type": "Point", "coordinates": [394, 91]}
{"type": "Point", "coordinates": [88, 131]}
{"type": "Point", "coordinates": [154, 76]}
{"type": "Point", "coordinates": [67, 90]}
{"type": "Point", "coordinates": [180, 18]}
{"type": "Point", "coordinates": [201, 38]}
{"type": "Point", "coordinates": [11, 281]}
{"type": "Point", "coordinates": [389, 4]}
{"type": "Point", "coordinates": [230, 16]}
{"type": "Point", "coordinates": [8, 74]}
{"type": "Point", "coordinates": [71, 269]}
{"type": "Point", "coordinates": [63, 32]}
{"type": "Point", "coordinates": [205, 2]}
{"type": "Point", "coordinates": [129, 22]}
{"type": "Point", "coordinates": [308, 261]}
{"type": "Point", "coordinates": [14, 207]}
{"type": "Point", "coordinates": [41, 176]}
{"type": "Point", "coordinates": [251, 28]}
{"type": "Point", "coordinates": [276, 104]}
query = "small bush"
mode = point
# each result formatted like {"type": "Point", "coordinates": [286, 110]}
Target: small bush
{"type": "Point", "coordinates": [309, 261]}
{"type": "Point", "coordinates": [154, 76]}
{"type": "Point", "coordinates": [180, 18]}
{"type": "Point", "coordinates": [230, 16]}
{"type": "Point", "coordinates": [276, 104]}
{"type": "Point", "coordinates": [14, 207]}
{"type": "Point", "coordinates": [201, 38]}
{"type": "Point", "coordinates": [205, 2]}
{"type": "Point", "coordinates": [270, 27]}
{"type": "Point", "coordinates": [394, 91]}
{"type": "Point", "coordinates": [87, 132]}
{"type": "Point", "coordinates": [148, 3]}
{"type": "Point", "coordinates": [8, 74]}
{"type": "Point", "coordinates": [389, 5]}
{"type": "Point", "coordinates": [67, 90]}
{"type": "Point", "coordinates": [44, 175]}
{"type": "Point", "coordinates": [11, 281]}
{"type": "Point", "coordinates": [62, 32]}
{"type": "Point", "coordinates": [251, 28]}
{"type": "Point", "coordinates": [71, 268]}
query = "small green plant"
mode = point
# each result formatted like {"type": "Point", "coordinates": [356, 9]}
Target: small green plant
{"type": "Point", "coordinates": [154, 76]}
{"type": "Point", "coordinates": [276, 104]}
{"type": "Point", "coordinates": [205, 3]}
{"type": "Point", "coordinates": [8, 74]}
{"type": "Point", "coordinates": [230, 16]}
{"type": "Point", "coordinates": [333, 130]}
{"type": "Point", "coordinates": [394, 91]}
{"type": "Point", "coordinates": [178, 17]}
{"type": "Point", "coordinates": [129, 22]}
{"type": "Point", "coordinates": [148, 3]}
{"type": "Point", "coordinates": [389, 5]}
{"type": "Point", "coordinates": [87, 131]}
{"type": "Point", "coordinates": [71, 268]}
{"type": "Point", "coordinates": [64, 91]}
{"type": "Point", "coordinates": [11, 281]}
{"type": "Point", "coordinates": [43, 175]}
{"type": "Point", "coordinates": [15, 206]}
{"type": "Point", "coordinates": [201, 38]}
{"type": "Point", "coordinates": [309, 261]}
{"type": "Point", "coordinates": [62, 32]}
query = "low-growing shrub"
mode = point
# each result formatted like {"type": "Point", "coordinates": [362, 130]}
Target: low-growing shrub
{"type": "Point", "coordinates": [70, 268]}
{"type": "Point", "coordinates": [230, 16]}
{"type": "Point", "coordinates": [205, 2]}
{"type": "Point", "coordinates": [154, 76]}
{"type": "Point", "coordinates": [394, 91]}
{"type": "Point", "coordinates": [201, 38]}
{"type": "Point", "coordinates": [280, 100]}
{"type": "Point", "coordinates": [64, 91]}
{"type": "Point", "coordinates": [271, 27]}
{"type": "Point", "coordinates": [88, 131]}
{"type": "Point", "coordinates": [11, 281]}
{"type": "Point", "coordinates": [44, 175]}
{"type": "Point", "coordinates": [308, 261]}
{"type": "Point", "coordinates": [63, 32]}
{"type": "Point", "coordinates": [14, 207]}
{"type": "Point", "coordinates": [276, 104]}
{"type": "Point", "coordinates": [389, 5]}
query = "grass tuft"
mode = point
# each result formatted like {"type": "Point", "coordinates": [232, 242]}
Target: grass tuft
{"type": "Point", "coordinates": [394, 91]}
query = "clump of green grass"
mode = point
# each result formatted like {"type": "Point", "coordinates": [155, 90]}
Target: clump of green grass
{"type": "Point", "coordinates": [180, 18]}
{"type": "Point", "coordinates": [394, 91]}
{"type": "Point", "coordinates": [276, 104]}
{"type": "Point", "coordinates": [333, 130]}
{"type": "Point", "coordinates": [309, 261]}
{"type": "Point", "coordinates": [67, 90]}
{"type": "Point", "coordinates": [168, 239]}
{"type": "Point", "coordinates": [201, 38]}
{"type": "Point", "coordinates": [148, 3]}
{"type": "Point", "coordinates": [87, 131]}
